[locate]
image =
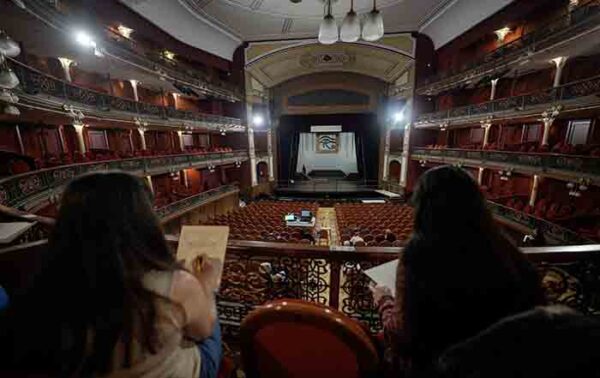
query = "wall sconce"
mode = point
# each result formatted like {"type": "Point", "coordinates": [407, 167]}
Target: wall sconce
{"type": "Point", "coordinates": [237, 163]}
{"type": "Point", "coordinates": [168, 54]}
{"type": "Point", "coordinates": [125, 31]}
{"type": "Point", "coordinates": [505, 175]}
{"type": "Point", "coordinates": [502, 33]}
{"type": "Point", "coordinates": [423, 163]}
{"type": "Point", "coordinates": [576, 189]}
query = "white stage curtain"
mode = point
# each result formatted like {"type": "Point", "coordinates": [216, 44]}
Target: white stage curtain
{"type": "Point", "coordinates": [344, 160]}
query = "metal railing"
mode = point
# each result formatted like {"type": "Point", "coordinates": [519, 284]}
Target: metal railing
{"type": "Point", "coordinates": [132, 53]}
{"type": "Point", "coordinates": [566, 92]}
{"type": "Point", "coordinates": [566, 25]}
{"type": "Point", "coordinates": [20, 190]}
{"type": "Point", "coordinates": [34, 82]}
{"type": "Point", "coordinates": [176, 208]}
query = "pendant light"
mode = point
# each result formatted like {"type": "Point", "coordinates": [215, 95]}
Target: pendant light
{"type": "Point", "coordinates": [373, 27]}
{"type": "Point", "coordinates": [328, 31]}
{"type": "Point", "coordinates": [8, 46]}
{"type": "Point", "coordinates": [8, 79]}
{"type": "Point", "coordinates": [350, 30]}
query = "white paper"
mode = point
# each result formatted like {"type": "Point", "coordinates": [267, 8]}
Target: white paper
{"type": "Point", "coordinates": [384, 275]}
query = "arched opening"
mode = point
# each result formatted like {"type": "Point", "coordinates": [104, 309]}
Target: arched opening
{"type": "Point", "coordinates": [262, 172]}
{"type": "Point", "coordinates": [394, 171]}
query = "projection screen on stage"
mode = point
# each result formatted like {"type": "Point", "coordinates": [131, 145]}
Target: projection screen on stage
{"type": "Point", "coordinates": [327, 152]}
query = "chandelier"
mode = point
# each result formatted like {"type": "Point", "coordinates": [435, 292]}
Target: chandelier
{"type": "Point", "coordinates": [351, 31]}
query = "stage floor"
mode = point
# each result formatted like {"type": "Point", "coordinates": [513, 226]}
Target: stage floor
{"type": "Point", "coordinates": [327, 186]}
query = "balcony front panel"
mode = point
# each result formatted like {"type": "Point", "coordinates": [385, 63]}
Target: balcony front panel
{"type": "Point", "coordinates": [564, 166]}
{"type": "Point", "coordinates": [35, 83]}
{"type": "Point", "coordinates": [33, 187]}
{"type": "Point", "coordinates": [177, 208]}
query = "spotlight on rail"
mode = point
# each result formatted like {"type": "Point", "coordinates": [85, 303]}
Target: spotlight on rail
{"type": "Point", "coordinates": [258, 120]}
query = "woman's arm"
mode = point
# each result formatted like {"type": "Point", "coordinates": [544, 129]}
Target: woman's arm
{"type": "Point", "coordinates": [196, 296]}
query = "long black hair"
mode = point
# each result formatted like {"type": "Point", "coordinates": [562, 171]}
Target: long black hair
{"type": "Point", "coordinates": [459, 273]}
{"type": "Point", "coordinates": [90, 294]}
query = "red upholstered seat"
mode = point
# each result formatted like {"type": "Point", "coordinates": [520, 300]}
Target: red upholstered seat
{"type": "Point", "coordinates": [296, 339]}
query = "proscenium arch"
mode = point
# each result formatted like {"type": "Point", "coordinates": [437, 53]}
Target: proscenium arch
{"type": "Point", "coordinates": [277, 64]}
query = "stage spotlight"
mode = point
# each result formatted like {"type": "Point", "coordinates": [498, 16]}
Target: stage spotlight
{"type": "Point", "coordinates": [258, 120]}
{"type": "Point", "coordinates": [399, 116]}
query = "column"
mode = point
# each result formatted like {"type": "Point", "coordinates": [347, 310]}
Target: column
{"type": "Point", "coordinates": [185, 178]}
{"type": "Point", "coordinates": [180, 137]}
{"type": "Point", "coordinates": [175, 99]}
{"type": "Point", "coordinates": [386, 154]}
{"type": "Point", "coordinates": [406, 145]}
{"type": "Point", "coordinates": [149, 180]}
{"type": "Point", "coordinates": [131, 145]}
{"type": "Point", "coordinates": [548, 118]}
{"type": "Point", "coordinates": [252, 153]}
{"type": "Point", "coordinates": [142, 132]}
{"type": "Point", "coordinates": [480, 175]}
{"type": "Point", "coordinates": [20, 140]}
{"type": "Point", "coordinates": [534, 190]}
{"type": "Point", "coordinates": [270, 154]}
{"type": "Point", "coordinates": [80, 140]}
{"type": "Point", "coordinates": [559, 62]}
{"type": "Point", "coordinates": [66, 66]}
{"type": "Point", "coordinates": [486, 125]}
{"type": "Point", "coordinates": [134, 85]}
{"type": "Point", "coordinates": [493, 90]}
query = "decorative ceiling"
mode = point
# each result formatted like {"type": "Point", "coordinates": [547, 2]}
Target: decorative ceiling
{"type": "Point", "coordinates": [220, 26]}
{"type": "Point", "coordinates": [275, 65]}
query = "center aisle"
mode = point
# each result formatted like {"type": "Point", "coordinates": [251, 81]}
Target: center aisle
{"type": "Point", "coordinates": [326, 218]}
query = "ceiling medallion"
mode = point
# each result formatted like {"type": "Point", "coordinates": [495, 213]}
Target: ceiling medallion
{"type": "Point", "coordinates": [327, 59]}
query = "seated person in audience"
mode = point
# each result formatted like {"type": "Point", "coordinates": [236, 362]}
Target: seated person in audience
{"type": "Point", "coordinates": [389, 236]}
{"type": "Point", "coordinates": [457, 275]}
{"type": "Point", "coordinates": [111, 299]}
{"type": "Point", "coordinates": [307, 236]}
{"type": "Point", "coordinates": [356, 238]}
{"type": "Point", "coordinates": [548, 342]}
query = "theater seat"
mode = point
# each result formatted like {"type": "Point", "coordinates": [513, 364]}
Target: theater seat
{"type": "Point", "coordinates": [293, 339]}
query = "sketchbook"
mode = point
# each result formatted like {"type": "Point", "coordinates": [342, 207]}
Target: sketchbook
{"type": "Point", "coordinates": [208, 241]}
{"type": "Point", "coordinates": [384, 275]}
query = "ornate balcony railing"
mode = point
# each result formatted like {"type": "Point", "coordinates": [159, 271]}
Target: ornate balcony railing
{"type": "Point", "coordinates": [551, 231]}
{"type": "Point", "coordinates": [174, 209]}
{"type": "Point", "coordinates": [127, 51]}
{"type": "Point", "coordinates": [34, 82]}
{"type": "Point", "coordinates": [575, 22]}
{"type": "Point", "coordinates": [573, 165]}
{"type": "Point", "coordinates": [571, 91]}
{"type": "Point", "coordinates": [31, 187]}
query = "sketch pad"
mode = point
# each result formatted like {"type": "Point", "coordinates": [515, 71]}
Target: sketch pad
{"type": "Point", "coordinates": [195, 241]}
{"type": "Point", "coordinates": [384, 275]}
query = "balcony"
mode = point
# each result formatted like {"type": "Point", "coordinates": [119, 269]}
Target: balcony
{"type": "Point", "coordinates": [571, 26]}
{"type": "Point", "coordinates": [129, 52]}
{"type": "Point", "coordinates": [28, 189]}
{"type": "Point", "coordinates": [567, 167]}
{"type": "Point", "coordinates": [578, 94]}
{"type": "Point", "coordinates": [175, 209]}
{"type": "Point", "coordinates": [331, 277]}
{"type": "Point", "coordinates": [41, 90]}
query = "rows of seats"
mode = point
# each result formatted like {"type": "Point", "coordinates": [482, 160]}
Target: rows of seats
{"type": "Point", "coordinates": [370, 221]}
{"type": "Point", "coordinates": [264, 221]}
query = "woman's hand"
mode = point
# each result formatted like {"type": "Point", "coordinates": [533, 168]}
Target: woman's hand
{"type": "Point", "coordinates": [380, 292]}
{"type": "Point", "coordinates": [208, 270]}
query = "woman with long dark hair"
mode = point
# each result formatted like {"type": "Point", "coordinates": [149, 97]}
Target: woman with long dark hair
{"type": "Point", "coordinates": [111, 299]}
{"type": "Point", "coordinates": [457, 275]}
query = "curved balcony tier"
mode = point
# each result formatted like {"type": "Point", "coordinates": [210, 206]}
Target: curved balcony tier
{"type": "Point", "coordinates": [32, 188]}
{"type": "Point", "coordinates": [42, 91]}
{"type": "Point", "coordinates": [573, 27]}
{"type": "Point", "coordinates": [563, 167]}
{"type": "Point", "coordinates": [577, 95]}
{"type": "Point", "coordinates": [125, 50]}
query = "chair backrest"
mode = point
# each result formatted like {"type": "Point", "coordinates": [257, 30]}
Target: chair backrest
{"type": "Point", "coordinates": [291, 338]}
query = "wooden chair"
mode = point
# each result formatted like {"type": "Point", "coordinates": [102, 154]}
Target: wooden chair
{"type": "Point", "coordinates": [293, 338]}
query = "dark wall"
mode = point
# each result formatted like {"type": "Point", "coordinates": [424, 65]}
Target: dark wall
{"type": "Point", "coordinates": [365, 126]}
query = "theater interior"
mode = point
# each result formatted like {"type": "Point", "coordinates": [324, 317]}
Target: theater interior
{"type": "Point", "coordinates": [239, 113]}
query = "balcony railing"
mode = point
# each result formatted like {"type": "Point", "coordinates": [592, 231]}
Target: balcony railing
{"type": "Point", "coordinates": [132, 53]}
{"type": "Point", "coordinates": [571, 91]}
{"type": "Point", "coordinates": [551, 231]}
{"type": "Point", "coordinates": [570, 24]}
{"type": "Point", "coordinates": [20, 190]}
{"type": "Point", "coordinates": [544, 162]}
{"type": "Point", "coordinates": [34, 82]}
{"type": "Point", "coordinates": [176, 208]}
